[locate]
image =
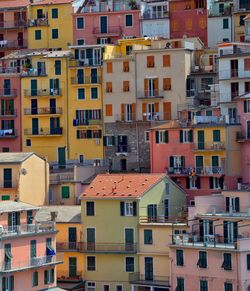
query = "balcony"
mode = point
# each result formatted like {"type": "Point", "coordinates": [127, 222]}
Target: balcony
{"type": "Point", "coordinates": [61, 177]}
{"type": "Point", "coordinates": [155, 15]}
{"type": "Point", "coordinates": [10, 44]}
{"type": "Point", "coordinates": [63, 276]}
{"type": "Point", "coordinates": [68, 246]}
{"type": "Point", "coordinates": [242, 137]}
{"type": "Point", "coordinates": [209, 170]}
{"type": "Point", "coordinates": [209, 146]}
{"type": "Point", "coordinates": [18, 265]}
{"type": "Point", "coordinates": [86, 122]}
{"type": "Point", "coordinates": [9, 70]}
{"type": "Point", "coordinates": [150, 94]}
{"type": "Point", "coordinates": [108, 248]}
{"type": "Point", "coordinates": [8, 133]}
{"type": "Point", "coordinates": [8, 93]}
{"type": "Point", "coordinates": [27, 229]}
{"type": "Point", "coordinates": [86, 80]}
{"type": "Point", "coordinates": [43, 92]}
{"type": "Point", "coordinates": [8, 185]}
{"type": "Point", "coordinates": [12, 24]}
{"type": "Point", "coordinates": [41, 132]}
{"type": "Point", "coordinates": [8, 113]}
{"type": "Point", "coordinates": [85, 62]}
{"type": "Point", "coordinates": [33, 72]}
{"type": "Point", "coordinates": [110, 31]}
{"type": "Point", "coordinates": [231, 74]}
{"type": "Point", "coordinates": [43, 111]}
{"type": "Point", "coordinates": [149, 280]}
{"type": "Point", "coordinates": [38, 22]}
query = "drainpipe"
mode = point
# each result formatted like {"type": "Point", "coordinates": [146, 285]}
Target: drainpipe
{"type": "Point", "coordinates": [136, 123]}
{"type": "Point", "coordinates": [67, 109]}
{"type": "Point", "coordinates": [46, 183]}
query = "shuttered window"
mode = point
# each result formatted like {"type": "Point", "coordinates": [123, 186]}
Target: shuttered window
{"type": "Point", "coordinates": [150, 61]}
{"type": "Point", "coordinates": [125, 86]}
{"type": "Point", "coordinates": [109, 67]}
{"type": "Point", "coordinates": [109, 87]}
{"type": "Point", "coordinates": [109, 109]}
{"type": "Point", "coordinates": [166, 84]}
{"type": "Point", "coordinates": [65, 192]}
{"type": "Point", "coordinates": [166, 61]}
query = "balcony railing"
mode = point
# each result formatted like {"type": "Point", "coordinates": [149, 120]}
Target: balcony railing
{"type": "Point", "coordinates": [241, 137]}
{"type": "Point", "coordinates": [43, 111]}
{"type": "Point", "coordinates": [228, 74]}
{"type": "Point", "coordinates": [116, 30]}
{"type": "Point", "coordinates": [25, 229]}
{"type": "Point", "coordinates": [8, 133]}
{"type": "Point", "coordinates": [61, 177]}
{"type": "Point", "coordinates": [108, 248]}
{"type": "Point", "coordinates": [64, 276]}
{"type": "Point", "coordinates": [43, 261]}
{"type": "Point", "coordinates": [13, 24]}
{"type": "Point", "coordinates": [209, 170]}
{"type": "Point", "coordinates": [155, 15]}
{"type": "Point", "coordinates": [43, 131]}
{"type": "Point", "coordinates": [68, 246]}
{"type": "Point", "coordinates": [13, 43]}
{"type": "Point", "coordinates": [86, 80]}
{"type": "Point", "coordinates": [149, 279]}
{"type": "Point", "coordinates": [85, 63]}
{"type": "Point", "coordinates": [8, 113]}
{"type": "Point", "coordinates": [150, 94]}
{"type": "Point", "coordinates": [8, 93]}
{"type": "Point", "coordinates": [38, 22]}
{"type": "Point", "coordinates": [33, 72]}
{"type": "Point", "coordinates": [9, 70]}
{"type": "Point", "coordinates": [209, 146]}
{"type": "Point", "coordinates": [43, 92]}
{"type": "Point", "coordinates": [79, 122]}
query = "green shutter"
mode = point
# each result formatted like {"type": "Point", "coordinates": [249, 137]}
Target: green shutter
{"type": "Point", "coordinates": [65, 193]}
{"type": "Point", "coordinates": [57, 67]}
{"type": "Point", "coordinates": [46, 277]}
{"type": "Point", "coordinates": [5, 197]}
{"type": "Point", "coordinates": [245, 106]}
{"type": "Point", "coordinates": [33, 248]}
{"type": "Point", "coordinates": [157, 136]}
{"type": "Point", "coordinates": [216, 135]}
{"type": "Point", "coordinates": [166, 136]}
{"type": "Point", "coordinates": [54, 13]}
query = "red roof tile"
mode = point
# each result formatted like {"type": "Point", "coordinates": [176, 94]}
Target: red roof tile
{"type": "Point", "coordinates": [121, 185]}
{"type": "Point", "coordinates": [13, 3]}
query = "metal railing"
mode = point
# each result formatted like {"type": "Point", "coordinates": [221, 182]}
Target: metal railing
{"type": "Point", "coordinates": [240, 136]}
{"type": "Point", "coordinates": [150, 94]}
{"type": "Point", "coordinates": [86, 80]}
{"type": "Point", "coordinates": [8, 133]}
{"type": "Point", "coordinates": [64, 276]}
{"type": "Point", "coordinates": [61, 177]}
{"type": "Point", "coordinates": [68, 246]}
{"type": "Point", "coordinates": [43, 92]}
{"type": "Point", "coordinates": [108, 247]}
{"type": "Point", "coordinates": [8, 113]}
{"type": "Point", "coordinates": [85, 63]}
{"type": "Point", "coordinates": [109, 30]}
{"type": "Point", "coordinates": [38, 22]}
{"type": "Point", "coordinates": [43, 131]}
{"type": "Point", "coordinates": [43, 110]}
{"type": "Point", "coordinates": [208, 170]}
{"type": "Point", "coordinates": [13, 43]}
{"type": "Point", "coordinates": [212, 146]}
{"type": "Point", "coordinates": [8, 184]}
{"type": "Point", "coordinates": [15, 265]}
{"type": "Point", "coordinates": [8, 93]}
{"type": "Point", "coordinates": [138, 278]}
{"type": "Point", "coordinates": [9, 70]}
{"type": "Point", "coordinates": [235, 73]}
{"type": "Point", "coordinates": [33, 72]}
{"type": "Point", "coordinates": [13, 24]}
{"type": "Point", "coordinates": [155, 15]}
{"type": "Point", "coordinates": [79, 122]}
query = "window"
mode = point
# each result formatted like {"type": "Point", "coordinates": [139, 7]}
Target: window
{"type": "Point", "coordinates": [80, 42]}
{"type": "Point", "coordinates": [215, 182]}
{"type": "Point", "coordinates": [225, 23]}
{"type": "Point", "coordinates": [205, 82]}
{"type": "Point", "coordinates": [148, 237]}
{"type": "Point", "coordinates": [248, 129]}
{"type": "Point", "coordinates": [216, 135]}
{"type": "Point", "coordinates": [126, 66]}
{"type": "Point", "coordinates": [109, 140]}
{"type": "Point", "coordinates": [72, 267]}
{"type": "Point", "coordinates": [5, 197]}
{"type": "Point", "coordinates": [91, 263]}
{"type": "Point", "coordinates": [65, 192]}
{"type": "Point", "coordinates": [129, 20]}
{"type": "Point", "coordinates": [109, 87]}
{"type": "Point", "coordinates": [180, 284]}
{"type": "Point", "coordinates": [49, 276]}
{"type": "Point", "coordinates": [179, 258]}
{"type": "Point", "coordinates": [28, 142]}
{"type": "Point", "coordinates": [202, 261]}
{"type": "Point", "coordinates": [161, 136]}
{"type": "Point", "coordinates": [105, 287]}
{"type": "Point", "coordinates": [39, 13]}
{"type": "Point", "coordinates": [130, 262]}
{"type": "Point", "coordinates": [81, 93]}
{"type": "Point", "coordinates": [242, 22]}
{"type": "Point", "coordinates": [228, 286]}
{"type": "Point", "coordinates": [129, 49]}
{"type": "Point", "coordinates": [147, 136]}
{"type": "Point", "coordinates": [34, 279]}
{"type": "Point", "coordinates": [90, 286]}
{"type": "Point", "coordinates": [166, 60]}
{"type": "Point", "coordinates": [248, 262]}
{"type": "Point", "coordinates": [7, 178]}
{"type": "Point", "coordinates": [54, 34]}
{"type": "Point", "coordinates": [150, 61]}
{"type": "Point", "coordinates": [5, 150]}
{"type": "Point", "coordinates": [227, 261]}
{"type": "Point", "coordinates": [109, 67]}
{"type": "Point", "coordinates": [80, 23]}
{"type": "Point", "coordinates": [232, 204]}
{"type": "Point", "coordinates": [118, 288]}
{"type": "Point", "coordinates": [8, 283]}
{"type": "Point", "coordinates": [57, 67]}
{"type": "Point", "coordinates": [186, 136]}
{"type": "Point", "coordinates": [54, 13]}
{"type": "Point", "coordinates": [247, 64]}
{"type": "Point", "coordinates": [94, 93]}
{"type": "Point", "coordinates": [128, 208]}
{"type": "Point", "coordinates": [90, 208]}
{"type": "Point", "coordinates": [247, 87]}
{"type": "Point", "coordinates": [203, 285]}
{"type": "Point", "coordinates": [166, 84]}
{"type": "Point", "coordinates": [109, 109]}
{"type": "Point", "coordinates": [125, 86]}
{"type": "Point", "coordinates": [38, 34]}
{"type": "Point", "coordinates": [199, 4]}
{"type": "Point", "coordinates": [33, 249]}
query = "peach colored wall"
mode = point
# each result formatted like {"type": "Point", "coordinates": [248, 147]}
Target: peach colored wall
{"type": "Point", "coordinates": [23, 218]}
{"type": "Point", "coordinates": [14, 144]}
{"type": "Point", "coordinates": [115, 19]}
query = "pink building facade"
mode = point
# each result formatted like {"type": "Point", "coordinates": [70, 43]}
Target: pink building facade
{"type": "Point", "coordinates": [105, 22]}
{"type": "Point", "coordinates": [27, 249]}
{"type": "Point", "coordinates": [215, 253]}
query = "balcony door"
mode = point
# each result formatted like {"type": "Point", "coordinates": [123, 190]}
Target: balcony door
{"type": "Point", "coordinates": [20, 39]}
{"type": "Point", "coordinates": [72, 267]}
{"type": "Point", "coordinates": [230, 230]}
{"type": "Point", "coordinates": [90, 238]}
{"type": "Point", "coordinates": [61, 157]}
{"type": "Point", "coordinates": [33, 105]}
{"type": "Point", "coordinates": [41, 69]}
{"type": "Point", "coordinates": [152, 212]}
{"type": "Point", "coordinates": [6, 86]}
{"type": "Point", "coordinates": [96, 56]}
{"type": "Point", "coordinates": [104, 24]}
{"type": "Point", "coordinates": [129, 239]}
{"type": "Point", "coordinates": [234, 68]}
{"type": "Point", "coordinates": [13, 220]}
{"type": "Point", "coordinates": [33, 87]}
{"type": "Point", "coordinates": [52, 106]}
{"type": "Point", "coordinates": [150, 111]}
{"type": "Point", "coordinates": [35, 126]}
{"type": "Point", "coordinates": [94, 78]}
{"type": "Point", "coordinates": [199, 164]}
{"type": "Point", "coordinates": [148, 269]}
{"type": "Point", "coordinates": [80, 76]}
{"type": "Point", "coordinates": [201, 139]}
{"type": "Point", "coordinates": [72, 235]}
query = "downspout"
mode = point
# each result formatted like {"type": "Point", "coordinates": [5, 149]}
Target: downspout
{"type": "Point", "coordinates": [67, 109]}
{"type": "Point", "coordinates": [136, 123]}
{"type": "Point", "coordinates": [46, 182]}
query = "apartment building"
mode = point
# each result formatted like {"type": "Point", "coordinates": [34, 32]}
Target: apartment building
{"type": "Point", "coordinates": [111, 254]}
{"type": "Point", "coordinates": [146, 93]}
{"type": "Point", "coordinates": [220, 26]}
{"type": "Point", "coordinates": [198, 156]}
{"type": "Point", "coordinates": [28, 249]}
{"type": "Point", "coordinates": [102, 22]}
{"type": "Point", "coordinates": [155, 18]}
{"type": "Point", "coordinates": [68, 226]}
{"type": "Point", "coordinates": [50, 24]}
{"type": "Point", "coordinates": [188, 18]}
{"type": "Point", "coordinates": [242, 9]}
{"type": "Point", "coordinates": [24, 177]}
{"type": "Point", "coordinates": [13, 26]}
{"type": "Point", "coordinates": [234, 73]}
{"type": "Point", "coordinates": [210, 255]}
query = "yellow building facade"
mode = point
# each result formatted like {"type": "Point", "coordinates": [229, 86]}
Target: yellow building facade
{"type": "Point", "coordinates": [50, 24]}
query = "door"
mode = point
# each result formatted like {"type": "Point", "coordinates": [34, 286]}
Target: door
{"type": "Point", "coordinates": [94, 76]}
{"type": "Point", "coordinates": [199, 164]}
{"type": "Point", "coordinates": [123, 164]}
{"type": "Point", "coordinates": [234, 68]}
{"type": "Point", "coordinates": [35, 126]}
{"type": "Point", "coordinates": [80, 76]}
{"type": "Point", "coordinates": [201, 140]}
{"type": "Point", "coordinates": [13, 220]}
{"type": "Point", "coordinates": [90, 238]}
{"type": "Point", "coordinates": [72, 237]}
{"type": "Point", "coordinates": [148, 269]}
{"type": "Point", "coordinates": [232, 112]}
{"type": "Point", "coordinates": [52, 106]}
{"type": "Point", "coordinates": [150, 111]}
{"type": "Point", "coordinates": [128, 112]}
{"type": "Point", "coordinates": [20, 39]}
{"type": "Point", "coordinates": [150, 92]}
{"type": "Point", "coordinates": [33, 105]}
{"type": "Point", "coordinates": [6, 87]}
{"type": "Point", "coordinates": [54, 86]}
{"type": "Point", "coordinates": [129, 239]}
{"type": "Point", "coordinates": [96, 56]}
{"type": "Point", "coordinates": [152, 212]}
{"type": "Point", "coordinates": [40, 68]}
{"type": "Point", "coordinates": [33, 251]}
{"type": "Point", "coordinates": [55, 125]}
{"type": "Point", "coordinates": [61, 158]}
{"type": "Point", "coordinates": [33, 87]}
{"type": "Point", "coordinates": [72, 267]}
{"type": "Point", "coordinates": [104, 24]}
{"type": "Point", "coordinates": [230, 231]}
{"type": "Point", "coordinates": [207, 230]}
{"type": "Point", "coordinates": [215, 164]}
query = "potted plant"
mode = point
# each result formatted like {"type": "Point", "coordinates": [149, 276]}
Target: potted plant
{"type": "Point", "coordinates": [132, 4]}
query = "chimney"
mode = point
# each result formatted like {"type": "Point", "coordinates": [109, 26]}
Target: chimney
{"type": "Point", "coordinates": [53, 215]}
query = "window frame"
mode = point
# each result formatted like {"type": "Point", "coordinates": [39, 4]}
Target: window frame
{"type": "Point", "coordinates": [54, 30]}
{"type": "Point", "coordinates": [83, 23]}
{"type": "Point", "coordinates": [127, 270]}
{"type": "Point", "coordinates": [92, 213]}
{"type": "Point", "coordinates": [84, 96]}
{"type": "Point", "coordinates": [93, 268]}
{"type": "Point", "coordinates": [149, 240]}
{"type": "Point", "coordinates": [132, 20]}
{"type": "Point", "coordinates": [52, 13]}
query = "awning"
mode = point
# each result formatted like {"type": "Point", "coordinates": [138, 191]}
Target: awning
{"type": "Point", "coordinates": [50, 251]}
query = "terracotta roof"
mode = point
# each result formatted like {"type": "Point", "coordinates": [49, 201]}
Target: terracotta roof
{"type": "Point", "coordinates": [121, 185]}
{"type": "Point", "coordinates": [13, 3]}
{"type": "Point", "coordinates": [51, 2]}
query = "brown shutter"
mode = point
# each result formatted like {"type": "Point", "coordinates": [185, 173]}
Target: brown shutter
{"type": "Point", "coordinates": [125, 86]}
{"type": "Point", "coordinates": [109, 110]}
{"type": "Point", "coordinates": [109, 67]}
{"type": "Point", "coordinates": [133, 111]}
{"type": "Point", "coordinates": [145, 87]}
{"type": "Point", "coordinates": [125, 66]}
{"type": "Point", "coordinates": [156, 87]}
{"type": "Point", "coordinates": [166, 60]}
{"type": "Point", "coordinates": [150, 61]}
{"type": "Point", "coordinates": [108, 87]}
{"type": "Point", "coordinates": [167, 84]}
{"type": "Point", "coordinates": [167, 110]}
{"type": "Point", "coordinates": [156, 107]}
{"type": "Point", "coordinates": [144, 111]}
{"type": "Point", "coordinates": [123, 112]}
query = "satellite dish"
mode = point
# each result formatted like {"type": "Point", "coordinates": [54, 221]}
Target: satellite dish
{"type": "Point", "coordinates": [23, 171]}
